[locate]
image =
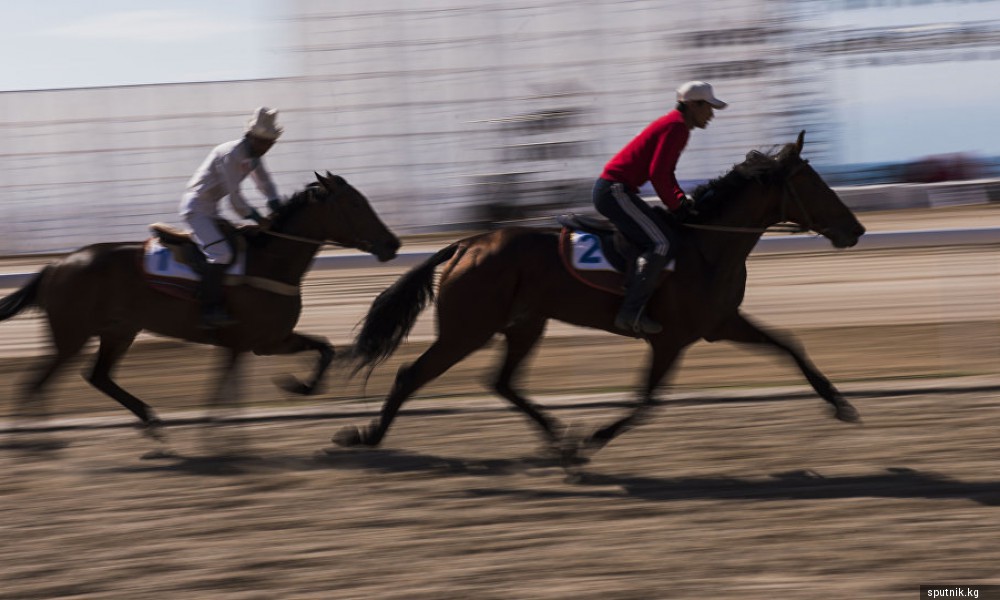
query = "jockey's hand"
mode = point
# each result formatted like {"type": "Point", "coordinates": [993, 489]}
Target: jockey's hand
{"type": "Point", "coordinates": [686, 210]}
{"type": "Point", "coordinates": [274, 204]}
{"type": "Point", "coordinates": [262, 222]}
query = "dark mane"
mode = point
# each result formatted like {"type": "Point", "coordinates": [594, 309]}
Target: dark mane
{"type": "Point", "coordinates": [291, 205]}
{"type": "Point", "coordinates": [758, 166]}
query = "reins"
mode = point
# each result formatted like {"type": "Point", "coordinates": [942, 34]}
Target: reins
{"type": "Point", "coordinates": [780, 227]}
{"type": "Point", "coordinates": [304, 240]}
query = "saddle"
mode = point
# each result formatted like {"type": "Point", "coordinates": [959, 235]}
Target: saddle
{"type": "Point", "coordinates": [172, 263]}
{"type": "Point", "coordinates": [184, 250]}
{"type": "Point", "coordinates": [597, 254]}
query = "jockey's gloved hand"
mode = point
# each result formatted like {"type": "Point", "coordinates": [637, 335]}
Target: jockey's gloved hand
{"type": "Point", "coordinates": [274, 204]}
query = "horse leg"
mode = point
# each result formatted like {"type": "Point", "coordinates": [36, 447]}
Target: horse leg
{"type": "Point", "coordinates": [226, 395]}
{"type": "Point", "coordinates": [293, 344]}
{"type": "Point", "coordinates": [111, 350]}
{"type": "Point", "coordinates": [227, 386]}
{"type": "Point", "coordinates": [66, 345]}
{"type": "Point", "coordinates": [441, 356]}
{"type": "Point", "coordinates": [739, 328]}
{"type": "Point", "coordinates": [521, 340]}
{"type": "Point", "coordinates": [661, 360]}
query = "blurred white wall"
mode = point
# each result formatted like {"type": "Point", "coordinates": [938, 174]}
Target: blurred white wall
{"type": "Point", "coordinates": [417, 104]}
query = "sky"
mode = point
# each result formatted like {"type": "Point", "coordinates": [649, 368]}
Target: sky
{"type": "Point", "coordinates": [50, 44]}
{"type": "Point", "coordinates": [883, 113]}
{"type": "Point", "coordinates": [905, 112]}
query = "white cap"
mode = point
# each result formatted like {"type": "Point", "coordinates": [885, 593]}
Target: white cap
{"type": "Point", "coordinates": [262, 124]}
{"type": "Point", "coordinates": [699, 90]}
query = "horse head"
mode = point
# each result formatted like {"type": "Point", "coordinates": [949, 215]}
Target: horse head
{"type": "Point", "coordinates": [332, 210]}
{"type": "Point", "coordinates": [776, 187]}
{"type": "Point", "coordinates": [810, 203]}
{"type": "Point", "coordinates": [352, 221]}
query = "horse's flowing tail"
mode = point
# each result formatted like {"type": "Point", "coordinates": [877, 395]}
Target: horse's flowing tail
{"type": "Point", "coordinates": [21, 299]}
{"type": "Point", "coordinates": [395, 310]}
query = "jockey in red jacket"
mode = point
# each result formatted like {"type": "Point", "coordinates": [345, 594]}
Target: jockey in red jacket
{"type": "Point", "coordinates": [651, 156]}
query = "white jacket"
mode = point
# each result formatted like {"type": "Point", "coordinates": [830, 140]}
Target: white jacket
{"type": "Point", "coordinates": [220, 175]}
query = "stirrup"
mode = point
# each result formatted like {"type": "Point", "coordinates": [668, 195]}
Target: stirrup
{"type": "Point", "coordinates": [216, 318]}
{"type": "Point", "coordinates": [640, 326]}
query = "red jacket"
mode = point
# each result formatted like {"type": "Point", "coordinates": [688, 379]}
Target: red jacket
{"type": "Point", "coordinates": [652, 156]}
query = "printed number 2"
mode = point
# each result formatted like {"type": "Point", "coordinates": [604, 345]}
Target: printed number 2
{"type": "Point", "coordinates": [590, 255]}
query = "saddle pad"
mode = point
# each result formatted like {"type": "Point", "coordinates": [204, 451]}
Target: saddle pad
{"type": "Point", "coordinates": [159, 262]}
{"type": "Point", "coordinates": [587, 252]}
{"type": "Point", "coordinates": [583, 257]}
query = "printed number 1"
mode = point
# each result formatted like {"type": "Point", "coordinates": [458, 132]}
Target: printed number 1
{"type": "Point", "coordinates": [590, 255]}
{"type": "Point", "coordinates": [164, 256]}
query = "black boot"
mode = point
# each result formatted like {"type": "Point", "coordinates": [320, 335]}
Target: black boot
{"type": "Point", "coordinates": [213, 313]}
{"type": "Point", "coordinates": [631, 317]}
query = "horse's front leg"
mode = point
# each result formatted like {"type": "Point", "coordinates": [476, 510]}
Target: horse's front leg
{"type": "Point", "coordinates": [293, 344]}
{"type": "Point", "coordinates": [739, 328]}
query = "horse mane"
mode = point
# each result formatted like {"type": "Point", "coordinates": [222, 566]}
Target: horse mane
{"type": "Point", "coordinates": [302, 197]}
{"type": "Point", "coordinates": [292, 204]}
{"type": "Point", "coordinates": [761, 166]}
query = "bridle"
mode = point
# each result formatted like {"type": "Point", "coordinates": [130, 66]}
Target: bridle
{"type": "Point", "coordinates": [783, 225]}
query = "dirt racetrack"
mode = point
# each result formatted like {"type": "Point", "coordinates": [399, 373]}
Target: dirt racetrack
{"type": "Point", "coordinates": [733, 490]}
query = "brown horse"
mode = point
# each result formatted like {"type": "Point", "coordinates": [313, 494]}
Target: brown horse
{"type": "Point", "coordinates": [511, 281]}
{"type": "Point", "coordinates": [100, 291]}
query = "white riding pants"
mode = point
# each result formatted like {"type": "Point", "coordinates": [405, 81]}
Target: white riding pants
{"type": "Point", "coordinates": [209, 238]}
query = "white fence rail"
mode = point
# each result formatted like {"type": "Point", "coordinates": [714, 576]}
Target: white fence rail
{"type": "Point", "coordinates": [787, 244]}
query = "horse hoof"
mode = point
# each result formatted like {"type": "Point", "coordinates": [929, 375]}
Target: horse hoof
{"type": "Point", "coordinates": [348, 437]}
{"type": "Point", "coordinates": [153, 429]}
{"type": "Point", "coordinates": [293, 385]}
{"type": "Point", "coordinates": [847, 413]}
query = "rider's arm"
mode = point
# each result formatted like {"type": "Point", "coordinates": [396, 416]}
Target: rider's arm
{"type": "Point", "coordinates": [664, 163]}
{"type": "Point", "coordinates": [228, 168]}
{"type": "Point", "coordinates": [262, 179]}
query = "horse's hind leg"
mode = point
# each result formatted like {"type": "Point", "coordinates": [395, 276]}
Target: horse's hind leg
{"type": "Point", "coordinates": [112, 349]}
{"type": "Point", "coordinates": [66, 346]}
{"type": "Point", "coordinates": [740, 329]}
{"type": "Point", "coordinates": [440, 357]}
{"type": "Point", "coordinates": [661, 361]}
{"type": "Point", "coordinates": [522, 337]}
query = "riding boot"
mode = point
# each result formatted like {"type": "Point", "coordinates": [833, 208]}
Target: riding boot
{"type": "Point", "coordinates": [213, 312]}
{"type": "Point", "coordinates": [631, 317]}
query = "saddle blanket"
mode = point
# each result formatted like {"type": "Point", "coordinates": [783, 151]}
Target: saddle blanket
{"type": "Point", "coordinates": [588, 255]}
{"type": "Point", "coordinates": [158, 261]}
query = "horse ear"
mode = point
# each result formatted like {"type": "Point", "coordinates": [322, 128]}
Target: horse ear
{"type": "Point", "coordinates": [319, 177]}
{"type": "Point", "coordinates": [800, 141]}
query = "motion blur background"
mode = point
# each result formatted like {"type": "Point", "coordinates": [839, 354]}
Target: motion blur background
{"type": "Point", "coordinates": [448, 112]}
{"type": "Point", "coordinates": [454, 115]}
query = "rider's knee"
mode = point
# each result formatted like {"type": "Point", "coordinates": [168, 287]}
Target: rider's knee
{"type": "Point", "coordinates": [218, 254]}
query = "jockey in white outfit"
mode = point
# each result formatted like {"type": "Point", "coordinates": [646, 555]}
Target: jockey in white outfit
{"type": "Point", "coordinates": [220, 175]}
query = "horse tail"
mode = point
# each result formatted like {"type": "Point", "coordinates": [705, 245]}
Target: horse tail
{"type": "Point", "coordinates": [395, 310]}
{"type": "Point", "coordinates": [21, 299]}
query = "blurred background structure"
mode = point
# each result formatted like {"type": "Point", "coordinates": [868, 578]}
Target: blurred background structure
{"type": "Point", "coordinates": [450, 112]}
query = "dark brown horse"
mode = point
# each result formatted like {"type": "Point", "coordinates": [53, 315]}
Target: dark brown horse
{"type": "Point", "coordinates": [100, 291]}
{"type": "Point", "coordinates": [511, 281]}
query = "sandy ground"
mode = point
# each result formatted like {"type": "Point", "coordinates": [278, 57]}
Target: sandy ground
{"type": "Point", "coordinates": [745, 495]}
